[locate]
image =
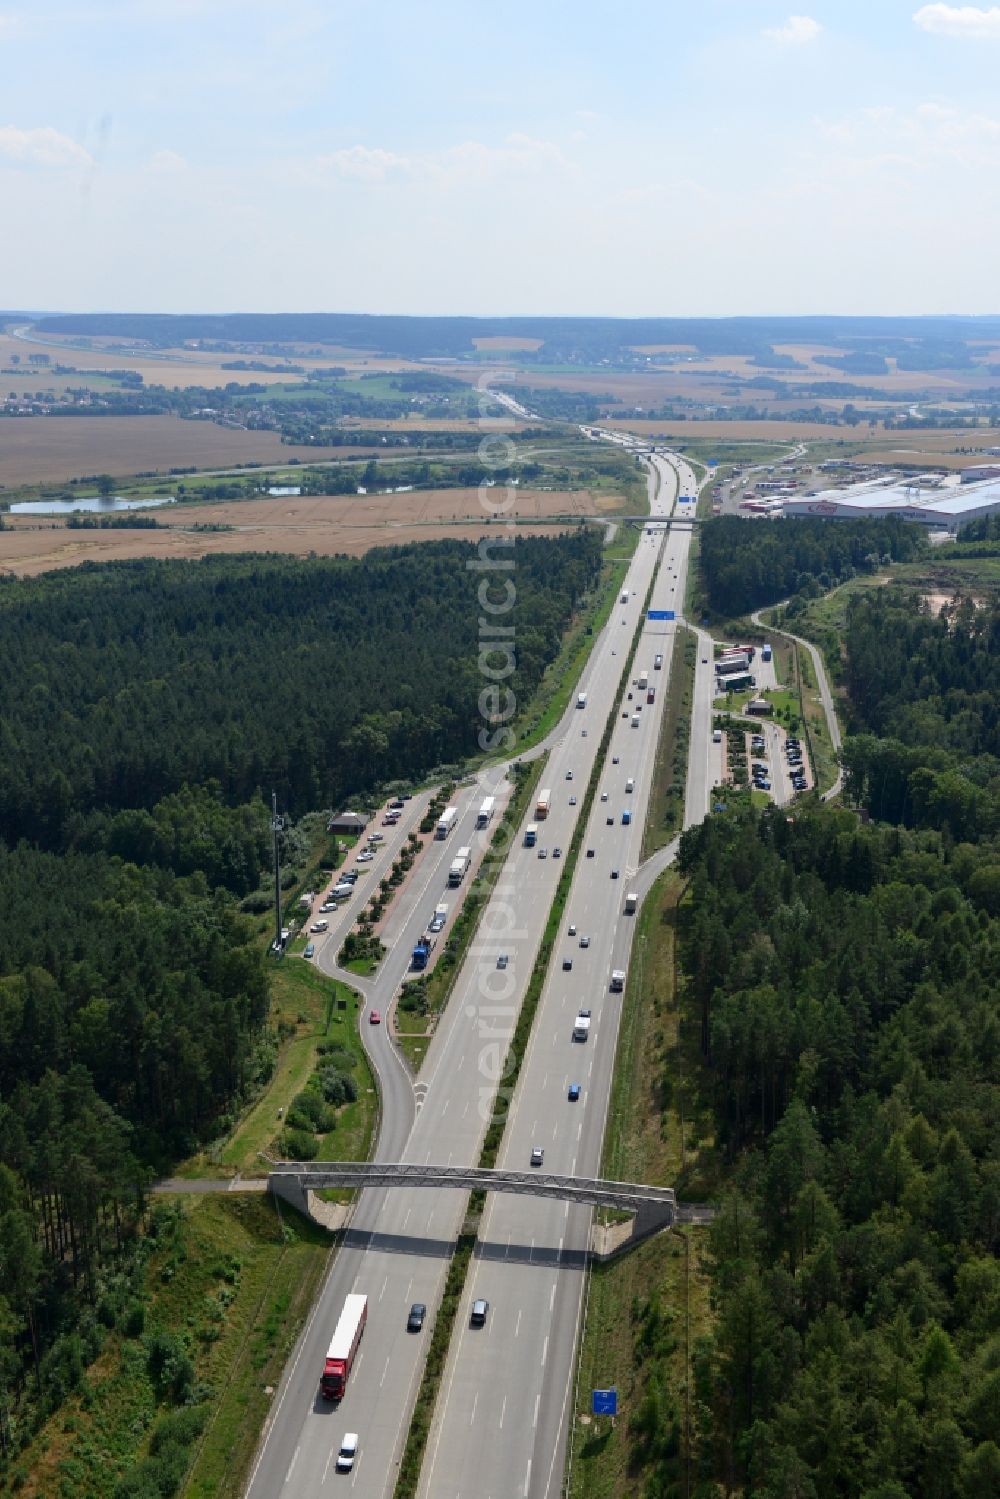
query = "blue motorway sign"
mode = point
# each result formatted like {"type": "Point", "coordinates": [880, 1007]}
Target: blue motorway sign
{"type": "Point", "coordinates": [605, 1402]}
{"type": "Point", "coordinates": [660, 614]}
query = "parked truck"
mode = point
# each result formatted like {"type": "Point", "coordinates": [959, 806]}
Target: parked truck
{"type": "Point", "coordinates": [446, 822]}
{"type": "Point", "coordinates": [485, 814]}
{"type": "Point", "coordinates": [459, 866]}
{"type": "Point", "coordinates": [738, 682]}
{"type": "Point", "coordinates": [631, 902]}
{"type": "Point", "coordinates": [531, 835]}
{"type": "Point", "coordinates": [726, 665]}
{"type": "Point", "coordinates": [343, 1348]}
{"type": "Point", "coordinates": [543, 804]}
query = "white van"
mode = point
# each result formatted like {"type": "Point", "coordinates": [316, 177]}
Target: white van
{"type": "Point", "coordinates": [716, 736]}
{"type": "Point", "coordinates": [630, 784]}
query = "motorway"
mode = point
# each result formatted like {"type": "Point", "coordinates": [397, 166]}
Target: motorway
{"type": "Point", "coordinates": [505, 1410]}
{"type": "Point", "coordinates": [400, 1241]}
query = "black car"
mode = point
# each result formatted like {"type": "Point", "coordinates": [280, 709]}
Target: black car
{"type": "Point", "coordinates": [415, 1320]}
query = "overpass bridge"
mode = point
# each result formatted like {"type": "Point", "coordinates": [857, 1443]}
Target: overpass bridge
{"type": "Point", "coordinates": [653, 1208]}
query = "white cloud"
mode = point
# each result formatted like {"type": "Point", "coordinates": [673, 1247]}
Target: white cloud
{"type": "Point", "coordinates": [41, 147]}
{"type": "Point", "coordinates": [365, 164]}
{"type": "Point", "coordinates": [796, 32]}
{"type": "Point", "coordinates": [9, 26]}
{"type": "Point", "coordinates": [518, 155]}
{"type": "Point", "coordinates": [970, 21]}
{"type": "Point", "coordinates": [166, 161]}
{"type": "Point", "coordinates": [931, 139]}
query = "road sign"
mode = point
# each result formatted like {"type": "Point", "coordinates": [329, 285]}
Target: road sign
{"type": "Point", "coordinates": [660, 614]}
{"type": "Point", "coordinates": [605, 1402]}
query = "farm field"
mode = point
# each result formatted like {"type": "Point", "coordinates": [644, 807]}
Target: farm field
{"type": "Point", "coordinates": [326, 525]}
{"type": "Point", "coordinates": [52, 449]}
{"type": "Point", "coordinates": [175, 368]}
{"type": "Point", "coordinates": [940, 441]}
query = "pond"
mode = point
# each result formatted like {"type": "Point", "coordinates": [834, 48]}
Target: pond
{"type": "Point", "coordinates": [89, 503]}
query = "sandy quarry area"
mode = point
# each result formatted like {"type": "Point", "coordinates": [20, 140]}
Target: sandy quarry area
{"type": "Point", "coordinates": [322, 524]}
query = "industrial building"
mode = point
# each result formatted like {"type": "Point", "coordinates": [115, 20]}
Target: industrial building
{"type": "Point", "coordinates": [946, 508]}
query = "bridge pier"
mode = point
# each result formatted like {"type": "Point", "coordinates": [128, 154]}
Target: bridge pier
{"type": "Point", "coordinates": [609, 1240]}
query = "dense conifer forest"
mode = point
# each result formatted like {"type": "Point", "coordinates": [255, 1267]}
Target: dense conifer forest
{"type": "Point", "coordinates": [746, 564]}
{"type": "Point", "coordinates": [318, 677]}
{"type": "Point", "coordinates": [844, 982]}
{"type": "Point", "coordinates": [925, 699]}
{"type": "Point", "coordinates": [149, 704]}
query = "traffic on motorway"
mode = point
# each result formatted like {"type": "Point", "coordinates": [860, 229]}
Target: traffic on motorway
{"type": "Point", "coordinates": [502, 1416]}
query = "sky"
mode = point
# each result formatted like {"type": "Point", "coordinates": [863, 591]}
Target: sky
{"type": "Point", "coordinates": [637, 158]}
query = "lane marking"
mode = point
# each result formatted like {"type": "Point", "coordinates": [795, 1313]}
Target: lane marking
{"type": "Point", "coordinates": [291, 1465]}
{"type": "Point", "coordinates": [503, 1411]}
{"type": "Point", "coordinates": [517, 1324]}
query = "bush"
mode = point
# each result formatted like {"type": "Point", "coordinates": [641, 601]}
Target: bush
{"type": "Point", "coordinates": [338, 1087]}
{"type": "Point", "coordinates": [298, 1145]}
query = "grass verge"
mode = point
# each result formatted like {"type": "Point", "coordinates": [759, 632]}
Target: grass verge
{"type": "Point", "coordinates": [666, 798]}
{"type": "Point", "coordinates": [645, 1311]}
{"type": "Point", "coordinates": [225, 1285]}
{"type": "Point", "coordinates": [307, 1008]}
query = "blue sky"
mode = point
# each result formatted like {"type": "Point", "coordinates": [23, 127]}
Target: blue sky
{"type": "Point", "coordinates": [704, 157]}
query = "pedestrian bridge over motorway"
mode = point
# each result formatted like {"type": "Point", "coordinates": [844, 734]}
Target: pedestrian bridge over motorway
{"type": "Point", "coordinates": [654, 1208]}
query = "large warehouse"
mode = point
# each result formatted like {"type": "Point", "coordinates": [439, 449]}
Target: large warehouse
{"type": "Point", "coordinates": [947, 509]}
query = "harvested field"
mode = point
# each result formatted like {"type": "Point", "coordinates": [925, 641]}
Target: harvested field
{"type": "Point", "coordinates": [730, 431]}
{"type": "Point", "coordinates": [323, 524]}
{"type": "Point", "coordinates": [173, 371]}
{"type": "Point", "coordinates": [933, 443]}
{"type": "Point", "coordinates": [52, 449]}
{"type": "Point", "coordinates": [24, 554]}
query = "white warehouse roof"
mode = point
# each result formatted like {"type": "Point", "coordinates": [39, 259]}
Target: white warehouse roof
{"type": "Point", "coordinates": [946, 508]}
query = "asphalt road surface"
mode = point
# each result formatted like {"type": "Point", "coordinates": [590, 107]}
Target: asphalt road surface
{"type": "Point", "coordinates": [504, 1411]}
{"type": "Point", "coordinates": [400, 1240]}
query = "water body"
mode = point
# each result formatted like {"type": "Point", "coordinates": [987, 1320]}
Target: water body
{"type": "Point", "coordinates": [91, 503]}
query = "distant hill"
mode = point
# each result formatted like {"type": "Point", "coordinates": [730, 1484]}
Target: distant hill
{"type": "Point", "coordinates": [577, 339]}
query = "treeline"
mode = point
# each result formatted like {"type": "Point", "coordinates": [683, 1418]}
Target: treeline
{"type": "Point", "coordinates": [843, 982]}
{"type": "Point", "coordinates": [746, 564]}
{"type": "Point", "coordinates": [925, 700]}
{"type": "Point", "coordinates": [132, 1020]}
{"type": "Point", "coordinates": [317, 677]}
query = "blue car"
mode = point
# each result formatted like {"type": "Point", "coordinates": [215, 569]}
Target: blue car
{"type": "Point", "coordinates": [574, 1092]}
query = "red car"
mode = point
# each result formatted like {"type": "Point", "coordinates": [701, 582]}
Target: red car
{"type": "Point", "coordinates": [374, 1018]}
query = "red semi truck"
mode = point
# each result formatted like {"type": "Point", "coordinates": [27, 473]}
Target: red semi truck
{"type": "Point", "coordinates": [343, 1349]}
